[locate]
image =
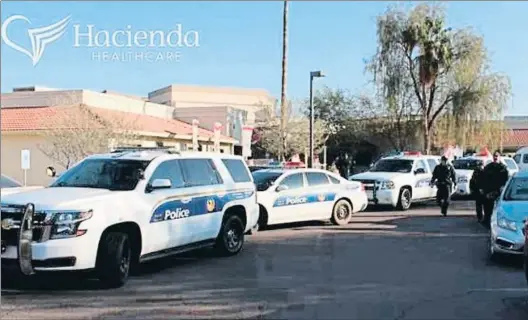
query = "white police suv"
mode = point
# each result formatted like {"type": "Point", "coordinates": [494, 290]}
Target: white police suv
{"type": "Point", "coordinates": [399, 180]}
{"type": "Point", "coordinates": [294, 195]}
{"type": "Point", "coordinates": [112, 211]}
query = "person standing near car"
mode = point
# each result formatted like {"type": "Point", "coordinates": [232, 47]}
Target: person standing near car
{"type": "Point", "coordinates": [494, 177]}
{"type": "Point", "coordinates": [444, 177]}
{"type": "Point", "coordinates": [475, 186]}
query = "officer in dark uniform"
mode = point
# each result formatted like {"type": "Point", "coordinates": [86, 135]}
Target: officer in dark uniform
{"type": "Point", "coordinates": [475, 186]}
{"type": "Point", "coordinates": [444, 177]}
{"type": "Point", "coordinates": [494, 177]}
{"type": "Point", "coordinates": [343, 165]}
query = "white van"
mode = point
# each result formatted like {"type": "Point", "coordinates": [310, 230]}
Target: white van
{"type": "Point", "coordinates": [521, 158]}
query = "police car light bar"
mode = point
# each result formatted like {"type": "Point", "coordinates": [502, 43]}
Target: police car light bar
{"type": "Point", "coordinates": [412, 153]}
{"type": "Point", "coordinates": [137, 149]}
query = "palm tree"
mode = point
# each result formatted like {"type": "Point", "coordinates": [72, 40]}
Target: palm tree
{"type": "Point", "coordinates": [284, 73]}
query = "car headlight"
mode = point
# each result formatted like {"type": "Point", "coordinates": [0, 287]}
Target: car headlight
{"type": "Point", "coordinates": [386, 185]}
{"type": "Point", "coordinates": [462, 179]}
{"type": "Point", "coordinates": [66, 224]}
{"type": "Point", "coordinates": [507, 224]}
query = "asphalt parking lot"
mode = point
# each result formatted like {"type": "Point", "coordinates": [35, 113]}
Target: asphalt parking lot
{"type": "Point", "coordinates": [384, 265]}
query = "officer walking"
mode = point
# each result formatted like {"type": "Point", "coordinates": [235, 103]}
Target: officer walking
{"type": "Point", "coordinates": [444, 177]}
{"type": "Point", "coordinates": [343, 165]}
{"type": "Point", "coordinates": [494, 177]}
{"type": "Point", "coordinates": [475, 186]}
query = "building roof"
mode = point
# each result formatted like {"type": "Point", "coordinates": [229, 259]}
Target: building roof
{"type": "Point", "coordinates": [516, 138]}
{"type": "Point", "coordinates": [45, 118]}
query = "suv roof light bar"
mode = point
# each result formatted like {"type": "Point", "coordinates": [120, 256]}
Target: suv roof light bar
{"type": "Point", "coordinates": [169, 150]}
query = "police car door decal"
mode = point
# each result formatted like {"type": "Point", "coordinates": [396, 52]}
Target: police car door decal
{"type": "Point", "coordinates": [184, 207]}
{"type": "Point", "coordinates": [304, 199]}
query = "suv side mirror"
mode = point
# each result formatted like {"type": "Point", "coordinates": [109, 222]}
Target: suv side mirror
{"type": "Point", "coordinates": [50, 172]}
{"type": "Point", "coordinates": [159, 184]}
{"type": "Point", "coordinates": [281, 187]}
{"type": "Point", "coordinates": [419, 171]}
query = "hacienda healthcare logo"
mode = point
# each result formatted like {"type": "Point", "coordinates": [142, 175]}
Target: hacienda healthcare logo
{"type": "Point", "coordinates": [121, 45]}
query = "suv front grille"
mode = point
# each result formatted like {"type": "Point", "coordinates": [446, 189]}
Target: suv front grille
{"type": "Point", "coordinates": [15, 213]}
{"type": "Point", "coordinates": [368, 184]}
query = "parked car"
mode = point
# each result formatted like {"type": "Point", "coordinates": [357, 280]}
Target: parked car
{"type": "Point", "coordinates": [113, 211]}
{"type": "Point", "coordinates": [295, 195]}
{"type": "Point", "coordinates": [508, 220]}
{"type": "Point", "coordinates": [521, 158]}
{"type": "Point", "coordinates": [526, 249]}
{"type": "Point", "coordinates": [10, 186]}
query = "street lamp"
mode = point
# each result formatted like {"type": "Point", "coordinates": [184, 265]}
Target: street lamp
{"type": "Point", "coordinates": [313, 74]}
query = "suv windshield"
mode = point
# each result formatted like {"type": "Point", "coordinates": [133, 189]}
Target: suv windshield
{"type": "Point", "coordinates": [393, 165]}
{"type": "Point", "coordinates": [467, 164]}
{"type": "Point", "coordinates": [264, 179]}
{"type": "Point", "coordinates": [517, 190]}
{"type": "Point", "coordinates": [111, 174]}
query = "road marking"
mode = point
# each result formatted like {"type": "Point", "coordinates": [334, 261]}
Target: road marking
{"type": "Point", "coordinates": [500, 290]}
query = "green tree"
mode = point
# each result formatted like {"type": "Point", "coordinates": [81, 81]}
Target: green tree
{"type": "Point", "coordinates": [448, 70]}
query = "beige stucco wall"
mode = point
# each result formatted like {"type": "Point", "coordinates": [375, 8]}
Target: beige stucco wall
{"type": "Point", "coordinates": [12, 145]}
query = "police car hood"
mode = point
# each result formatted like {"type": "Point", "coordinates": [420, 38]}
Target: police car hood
{"type": "Point", "coordinates": [57, 198]}
{"type": "Point", "coordinates": [7, 191]}
{"type": "Point", "coordinates": [378, 176]}
{"type": "Point", "coordinates": [464, 173]}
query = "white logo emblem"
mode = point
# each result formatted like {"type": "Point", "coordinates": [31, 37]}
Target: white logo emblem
{"type": "Point", "coordinates": [179, 213]}
{"type": "Point", "coordinates": [40, 37]}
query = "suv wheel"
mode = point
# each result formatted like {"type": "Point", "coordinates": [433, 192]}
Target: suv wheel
{"type": "Point", "coordinates": [342, 213]}
{"type": "Point", "coordinates": [231, 237]}
{"type": "Point", "coordinates": [405, 199]}
{"type": "Point", "coordinates": [113, 259]}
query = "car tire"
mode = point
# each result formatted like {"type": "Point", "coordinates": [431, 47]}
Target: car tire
{"type": "Point", "coordinates": [405, 199]}
{"type": "Point", "coordinates": [114, 259]}
{"type": "Point", "coordinates": [230, 240]}
{"type": "Point", "coordinates": [342, 213]}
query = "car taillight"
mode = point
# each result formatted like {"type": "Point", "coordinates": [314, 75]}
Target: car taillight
{"type": "Point", "coordinates": [362, 187]}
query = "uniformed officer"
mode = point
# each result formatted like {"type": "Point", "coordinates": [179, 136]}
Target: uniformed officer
{"type": "Point", "coordinates": [475, 186]}
{"type": "Point", "coordinates": [494, 177]}
{"type": "Point", "coordinates": [444, 177]}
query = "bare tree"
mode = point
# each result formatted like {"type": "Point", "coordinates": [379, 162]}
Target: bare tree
{"type": "Point", "coordinates": [78, 131]}
{"type": "Point", "coordinates": [284, 75]}
{"type": "Point", "coordinates": [296, 132]}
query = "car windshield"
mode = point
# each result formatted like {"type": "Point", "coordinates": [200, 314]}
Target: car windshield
{"type": "Point", "coordinates": [467, 164]}
{"type": "Point", "coordinates": [5, 182]}
{"type": "Point", "coordinates": [111, 174]}
{"type": "Point", "coordinates": [393, 165]}
{"type": "Point", "coordinates": [517, 190]}
{"type": "Point", "coordinates": [264, 179]}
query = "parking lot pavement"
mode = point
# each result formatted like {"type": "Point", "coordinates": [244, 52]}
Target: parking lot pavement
{"type": "Point", "coordinates": [383, 265]}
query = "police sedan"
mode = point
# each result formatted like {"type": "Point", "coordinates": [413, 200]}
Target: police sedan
{"type": "Point", "coordinates": [294, 195]}
{"type": "Point", "coordinates": [508, 218]}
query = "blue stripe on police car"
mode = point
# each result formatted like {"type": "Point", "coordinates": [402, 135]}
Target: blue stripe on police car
{"type": "Point", "coordinates": [302, 199]}
{"type": "Point", "coordinates": [183, 208]}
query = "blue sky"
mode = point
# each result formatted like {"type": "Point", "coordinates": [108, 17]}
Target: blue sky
{"type": "Point", "coordinates": [240, 44]}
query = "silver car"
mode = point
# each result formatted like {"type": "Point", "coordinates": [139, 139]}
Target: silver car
{"type": "Point", "coordinates": [508, 218]}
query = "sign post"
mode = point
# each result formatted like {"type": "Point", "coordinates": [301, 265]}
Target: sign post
{"type": "Point", "coordinates": [247, 134]}
{"type": "Point", "coordinates": [195, 124]}
{"type": "Point", "coordinates": [217, 128]}
{"type": "Point", "coordinates": [25, 157]}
